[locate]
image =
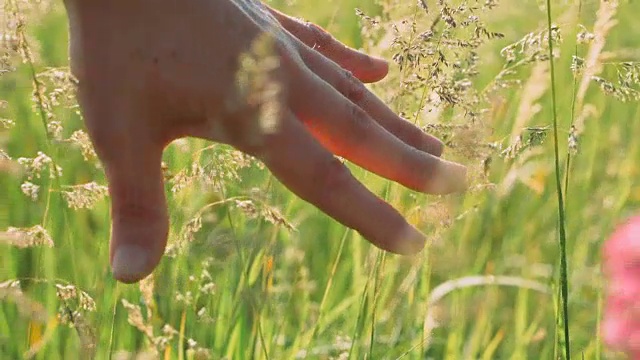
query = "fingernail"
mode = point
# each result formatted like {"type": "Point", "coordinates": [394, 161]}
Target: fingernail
{"type": "Point", "coordinates": [410, 241]}
{"type": "Point", "coordinates": [449, 177]}
{"type": "Point", "coordinates": [129, 263]}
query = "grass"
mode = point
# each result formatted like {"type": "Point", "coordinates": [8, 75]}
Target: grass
{"type": "Point", "coordinates": [240, 282]}
{"type": "Point", "coordinates": [564, 279]}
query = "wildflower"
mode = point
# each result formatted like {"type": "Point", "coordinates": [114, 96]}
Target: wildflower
{"type": "Point", "coordinates": [621, 262]}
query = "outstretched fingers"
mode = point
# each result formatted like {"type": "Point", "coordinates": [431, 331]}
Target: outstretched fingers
{"type": "Point", "coordinates": [349, 86]}
{"type": "Point", "coordinates": [315, 175]}
{"type": "Point", "coordinates": [347, 130]}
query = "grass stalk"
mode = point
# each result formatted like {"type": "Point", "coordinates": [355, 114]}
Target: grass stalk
{"type": "Point", "coordinates": [573, 112]}
{"type": "Point", "coordinates": [564, 282]}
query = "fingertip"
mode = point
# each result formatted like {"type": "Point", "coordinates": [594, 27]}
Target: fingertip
{"type": "Point", "coordinates": [130, 263]}
{"type": "Point", "coordinates": [434, 146]}
{"type": "Point", "coordinates": [382, 63]}
{"type": "Point", "coordinates": [407, 241]}
{"type": "Point", "coordinates": [139, 237]}
{"type": "Point", "coordinates": [140, 222]}
{"type": "Point", "coordinates": [410, 241]}
{"type": "Point", "coordinates": [375, 69]}
{"type": "Point", "coordinates": [448, 177]}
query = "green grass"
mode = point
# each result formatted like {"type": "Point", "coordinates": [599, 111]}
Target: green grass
{"type": "Point", "coordinates": [322, 289]}
{"type": "Point", "coordinates": [562, 232]}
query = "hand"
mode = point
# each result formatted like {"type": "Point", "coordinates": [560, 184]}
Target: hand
{"type": "Point", "coordinates": [153, 71]}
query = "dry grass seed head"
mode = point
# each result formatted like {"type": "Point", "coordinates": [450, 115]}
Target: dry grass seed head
{"type": "Point", "coordinates": [30, 309]}
{"type": "Point", "coordinates": [30, 190]}
{"type": "Point", "coordinates": [533, 90]}
{"type": "Point", "coordinates": [136, 319]}
{"type": "Point", "coordinates": [258, 92]}
{"type": "Point", "coordinates": [214, 173]}
{"type": "Point", "coordinates": [80, 139]}
{"type": "Point", "coordinates": [84, 196]}
{"type": "Point", "coordinates": [7, 123]}
{"type": "Point", "coordinates": [605, 21]}
{"type": "Point", "coordinates": [146, 286]}
{"type": "Point", "coordinates": [35, 166]}
{"type": "Point", "coordinates": [27, 237]}
{"type": "Point", "coordinates": [75, 297]}
{"type": "Point", "coordinates": [258, 209]}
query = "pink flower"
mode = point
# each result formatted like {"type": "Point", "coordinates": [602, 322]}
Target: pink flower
{"type": "Point", "coordinates": [621, 265]}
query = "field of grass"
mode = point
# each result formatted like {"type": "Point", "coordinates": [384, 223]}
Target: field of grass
{"type": "Point", "coordinates": [253, 272]}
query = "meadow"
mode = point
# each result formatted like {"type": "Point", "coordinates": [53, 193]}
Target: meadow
{"type": "Point", "coordinates": [252, 272]}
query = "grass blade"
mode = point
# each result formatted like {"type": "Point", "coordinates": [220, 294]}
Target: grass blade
{"type": "Point", "coordinates": [564, 286]}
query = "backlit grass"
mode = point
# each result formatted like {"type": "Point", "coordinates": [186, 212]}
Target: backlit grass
{"type": "Point", "coordinates": [253, 272]}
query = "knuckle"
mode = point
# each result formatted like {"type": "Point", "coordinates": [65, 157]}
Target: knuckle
{"type": "Point", "coordinates": [352, 88]}
{"type": "Point", "coordinates": [413, 158]}
{"type": "Point", "coordinates": [136, 202]}
{"type": "Point", "coordinates": [255, 142]}
{"type": "Point", "coordinates": [358, 124]}
{"type": "Point", "coordinates": [319, 38]}
{"type": "Point", "coordinates": [409, 134]}
{"type": "Point", "coordinates": [131, 211]}
{"type": "Point", "coordinates": [331, 176]}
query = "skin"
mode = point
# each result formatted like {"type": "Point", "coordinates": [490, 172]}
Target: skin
{"type": "Point", "coordinates": [148, 76]}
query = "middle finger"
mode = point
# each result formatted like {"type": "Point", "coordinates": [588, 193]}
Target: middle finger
{"type": "Point", "coordinates": [347, 130]}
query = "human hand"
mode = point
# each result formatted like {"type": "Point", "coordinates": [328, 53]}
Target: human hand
{"type": "Point", "coordinates": [153, 71]}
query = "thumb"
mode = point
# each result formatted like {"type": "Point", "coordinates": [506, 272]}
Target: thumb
{"type": "Point", "coordinates": [138, 211]}
{"type": "Point", "coordinates": [127, 138]}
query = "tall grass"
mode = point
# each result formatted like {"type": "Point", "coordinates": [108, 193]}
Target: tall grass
{"type": "Point", "coordinates": [564, 278]}
{"type": "Point", "coordinates": [253, 272]}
